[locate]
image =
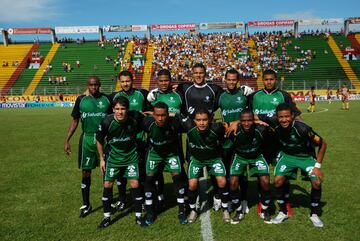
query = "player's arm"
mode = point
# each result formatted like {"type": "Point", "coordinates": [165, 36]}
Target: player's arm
{"type": "Point", "coordinates": [73, 125]}
{"type": "Point", "coordinates": [320, 142]}
{"type": "Point", "coordinates": [100, 140]}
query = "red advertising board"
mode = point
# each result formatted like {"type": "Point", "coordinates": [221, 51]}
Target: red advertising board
{"type": "Point", "coordinates": [186, 26]}
{"type": "Point", "coordinates": [354, 20]}
{"type": "Point", "coordinates": [274, 23]}
{"type": "Point", "coordinates": [29, 30]}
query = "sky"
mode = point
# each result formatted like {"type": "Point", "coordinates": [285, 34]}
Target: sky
{"type": "Point", "coordinates": [51, 13]}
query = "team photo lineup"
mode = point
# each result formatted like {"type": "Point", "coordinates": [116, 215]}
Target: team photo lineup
{"type": "Point", "coordinates": [135, 136]}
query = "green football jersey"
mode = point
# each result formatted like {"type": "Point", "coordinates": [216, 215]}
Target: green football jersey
{"type": "Point", "coordinates": [172, 99]}
{"type": "Point", "coordinates": [121, 138]}
{"type": "Point", "coordinates": [91, 110]}
{"type": "Point", "coordinates": [137, 99]}
{"type": "Point", "coordinates": [265, 103]}
{"type": "Point", "coordinates": [231, 104]}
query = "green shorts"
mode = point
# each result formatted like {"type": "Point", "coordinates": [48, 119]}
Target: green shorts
{"type": "Point", "coordinates": [287, 164]}
{"type": "Point", "coordinates": [88, 156]}
{"type": "Point", "coordinates": [130, 172]}
{"type": "Point", "coordinates": [215, 167]}
{"type": "Point", "coordinates": [257, 166]}
{"type": "Point", "coordinates": [155, 162]}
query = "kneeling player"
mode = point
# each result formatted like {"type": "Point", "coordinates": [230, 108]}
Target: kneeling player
{"type": "Point", "coordinates": [119, 130]}
{"type": "Point", "coordinates": [248, 141]}
{"type": "Point", "coordinates": [163, 154]}
{"type": "Point", "coordinates": [298, 142]}
{"type": "Point", "coordinates": [205, 142]}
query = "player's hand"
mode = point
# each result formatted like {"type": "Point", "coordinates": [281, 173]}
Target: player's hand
{"type": "Point", "coordinates": [102, 166]}
{"type": "Point", "coordinates": [67, 148]}
{"type": "Point", "coordinates": [262, 123]}
{"type": "Point", "coordinates": [147, 113]}
{"type": "Point", "coordinates": [152, 95]}
{"type": "Point", "coordinates": [232, 128]}
{"type": "Point", "coordinates": [247, 90]}
{"type": "Point", "coordinates": [317, 172]}
{"type": "Point", "coordinates": [174, 87]}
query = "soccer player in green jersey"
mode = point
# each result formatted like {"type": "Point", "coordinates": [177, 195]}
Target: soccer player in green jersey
{"type": "Point", "coordinates": [231, 103]}
{"type": "Point", "coordinates": [138, 102]}
{"type": "Point", "coordinates": [205, 142]}
{"type": "Point", "coordinates": [298, 142]}
{"type": "Point", "coordinates": [163, 155]}
{"type": "Point", "coordinates": [119, 131]}
{"type": "Point", "coordinates": [248, 141]}
{"type": "Point", "coordinates": [90, 110]}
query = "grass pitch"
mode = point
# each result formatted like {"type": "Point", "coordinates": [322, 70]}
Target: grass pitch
{"type": "Point", "coordinates": [40, 187]}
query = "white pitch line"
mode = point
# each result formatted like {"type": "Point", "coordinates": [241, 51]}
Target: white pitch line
{"type": "Point", "coordinates": [316, 112]}
{"type": "Point", "coordinates": [206, 229]}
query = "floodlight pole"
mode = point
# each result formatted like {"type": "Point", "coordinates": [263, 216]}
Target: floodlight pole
{"type": "Point", "coordinates": [101, 34]}
{"type": "Point", "coordinates": [346, 27]}
{"type": "Point", "coordinates": [296, 29]}
{"type": "Point", "coordinates": [246, 30]}
{"type": "Point", "coordinates": [53, 36]}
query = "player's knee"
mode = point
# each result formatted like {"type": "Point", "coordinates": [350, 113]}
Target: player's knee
{"type": "Point", "coordinates": [134, 183]}
{"type": "Point", "coordinates": [265, 182]}
{"type": "Point", "coordinates": [193, 184]}
{"type": "Point", "coordinates": [316, 184]}
{"type": "Point", "coordinates": [279, 181]}
{"type": "Point", "coordinates": [108, 184]}
{"type": "Point", "coordinates": [86, 173]}
{"type": "Point", "coordinates": [221, 182]}
{"type": "Point", "coordinates": [234, 183]}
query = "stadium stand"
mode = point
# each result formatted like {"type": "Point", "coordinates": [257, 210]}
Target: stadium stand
{"type": "Point", "coordinates": [147, 81]}
{"type": "Point", "coordinates": [126, 60]}
{"type": "Point", "coordinates": [10, 59]}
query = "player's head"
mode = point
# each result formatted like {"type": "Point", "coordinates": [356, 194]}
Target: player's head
{"type": "Point", "coordinates": [312, 88]}
{"type": "Point", "coordinates": [120, 107]}
{"type": "Point", "coordinates": [201, 119]}
{"type": "Point", "coordinates": [199, 73]}
{"type": "Point", "coordinates": [161, 113]}
{"type": "Point", "coordinates": [126, 80]}
{"type": "Point", "coordinates": [246, 119]}
{"type": "Point", "coordinates": [164, 79]}
{"type": "Point", "coordinates": [269, 79]}
{"type": "Point", "coordinates": [93, 84]}
{"type": "Point", "coordinates": [232, 77]}
{"type": "Point", "coordinates": [285, 115]}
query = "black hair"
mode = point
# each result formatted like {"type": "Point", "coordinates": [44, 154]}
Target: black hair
{"type": "Point", "coordinates": [121, 100]}
{"type": "Point", "coordinates": [199, 65]}
{"type": "Point", "coordinates": [233, 71]}
{"type": "Point", "coordinates": [164, 72]}
{"type": "Point", "coordinates": [270, 72]}
{"type": "Point", "coordinates": [95, 78]}
{"type": "Point", "coordinates": [162, 105]}
{"type": "Point", "coordinates": [284, 106]}
{"type": "Point", "coordinates": [202, 111]}
{"type": "Point", "coordinates": [126, 73]}
{"type": "Point", "coordinates": [246, 111]}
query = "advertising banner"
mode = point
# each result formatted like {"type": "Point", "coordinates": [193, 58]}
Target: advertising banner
{"type": "Point", "coordinates": [274, 23]}
{"type": "Point", "coordinates": [187, 26]}
{"type": "Point", "coordinates": [77, 29]}
{"type": "Point", "coordinates": [223, 25]}
{"type": "Point", "coordinates": [355, 20]}
{"type": "Point", "coordinates": [117, 28]}
{"type": "Point", "coordinates": [330, 21]}
{"type": "Point", "coordinates": [34, 98]}
{"type": "Point", "coordinates": [29, 30]}
{"type": "Point", "coordinates": [138, 28]}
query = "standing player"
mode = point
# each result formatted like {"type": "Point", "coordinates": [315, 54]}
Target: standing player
{"type": "Point", "coordinates": [328, 94]}
{"type": "Point", "coordinates": [119, 131]}
{"type": "Point", "coordinates": [163, 154]}
{"type": "Point", "coordinates": [90, 109]}
{"type": "Point", "coordinates": [248, 141]}
{"type": "Point", "coordinates": [345, 97]}
{"type": "Point", "coordinates": [232, 102]}
{"type": "Point", "coordinates": [138, 102]}
{"type": "Point", "coordinates": [263, 103]}
{"type": "Point", "coordinates": [298, 142]}
{"type": "Point", "coordinates": [312, 96]}
{"type": "Point", "coordinates": [205, 141]}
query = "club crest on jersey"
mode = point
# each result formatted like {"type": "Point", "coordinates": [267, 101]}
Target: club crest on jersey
{"type": "Point", "coordinates": [207, 99]}
{"type": "Point", "coordinates": [239, 100]}
{"type": "Point", "coordinates": [131, 171]}
{"type": "Point", "coordinates": [171, 99]}
{"type": "Point", "coordinates": [100, 104]}
{"type": "Point", "coordinates": [275, 101]}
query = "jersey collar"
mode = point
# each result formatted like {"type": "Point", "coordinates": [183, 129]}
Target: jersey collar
{"type": "Point", "coordinates": [200, 86]}
{"type": "Point", "coordinates": [271, 92]}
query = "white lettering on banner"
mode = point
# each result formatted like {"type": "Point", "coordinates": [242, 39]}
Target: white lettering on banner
{"type": "Point", "coordinates": [77, 29]}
